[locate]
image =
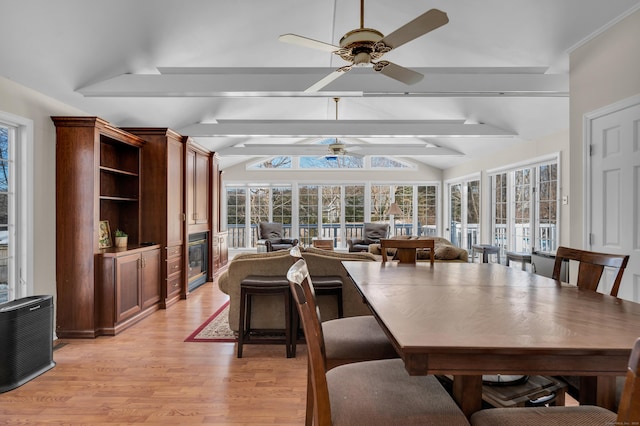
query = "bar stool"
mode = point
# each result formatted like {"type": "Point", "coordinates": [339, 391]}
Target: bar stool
{"type": "Point", "coordinates": [330, 285]}
{"type": "Point", "coordinates": [486, 250]}
{"type": "Point", "coordinates": [254, 285]}
{"type": "Point", "coordinates": [522, 257]}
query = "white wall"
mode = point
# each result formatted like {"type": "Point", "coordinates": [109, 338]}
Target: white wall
{"type": "Point", "coordinates": [23, 102]}
{"type": "Point", "coordinates": [603, 71]}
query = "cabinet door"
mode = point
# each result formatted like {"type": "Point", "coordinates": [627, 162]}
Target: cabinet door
{"type": "Point", "coordinates": [201, 206]}
{"type": "Point", "coordinates": [175, 196]}
{"type": "Point", "coordinates": [191, 186]}
{"type": "Point", "coordinates": [150, 279]}
{"type": "Point", "coordinates": [127, 287]}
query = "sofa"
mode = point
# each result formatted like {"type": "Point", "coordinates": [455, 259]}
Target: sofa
{"type": "Point", "coordinates": [268, 311]}
{"type": "Point", "coordinates": [443, 249]}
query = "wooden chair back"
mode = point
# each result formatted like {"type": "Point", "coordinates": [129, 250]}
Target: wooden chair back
{"type": "Point", "coordinates": [303, 295]}
{"type": "Point", "coordinates": [591, 267]}
{"type": "Point", "coordinates": [407, 250]}
{"type": "Point", "coordinates": [629, 408]}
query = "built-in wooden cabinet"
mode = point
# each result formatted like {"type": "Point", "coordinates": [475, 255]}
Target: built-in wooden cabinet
{"type": "Point", "coordinates": [163, 217]}
{"type": "Point", "coordinates": [220, 250]}
{"type": "Point", "coordinates": [128, 288]}
{"type": "Point", "coordinates": [152, 183]}
{"type": "Point", "coordinates": [98, 178]}
{"type": "Point", "coordinates": [198, 184]}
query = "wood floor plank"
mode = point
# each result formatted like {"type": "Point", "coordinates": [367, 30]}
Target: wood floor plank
{"type": "Point", "coordinates": [149, 375]}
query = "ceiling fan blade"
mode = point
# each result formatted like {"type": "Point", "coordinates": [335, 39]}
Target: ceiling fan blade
{"type": "Point", "coordinates": [308, 42]}
{"type": "Point", "coordinates": [326, 80]}
{"type": "Point", "coordinates": [402, 74]}
{"type": "Point", "coordinates": [424, 23]}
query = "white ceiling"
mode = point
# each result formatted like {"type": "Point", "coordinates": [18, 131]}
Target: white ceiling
{"type": "Point", "coordinates": [496, 75]}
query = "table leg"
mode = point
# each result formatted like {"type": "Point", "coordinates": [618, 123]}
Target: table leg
{"type": "Point", "coordinates": [598, 390]}
{"type": "Point", "coordinates": [406, 255]}
{"type": "Point", "coordinates": [467, 391]}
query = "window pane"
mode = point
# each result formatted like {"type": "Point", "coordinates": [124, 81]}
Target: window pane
{"type": "Point", "coordinates": [427, 209]}
{"type": "Point", "coordinates": [380, 201]}
{"type": "Point", "coordinates": [259, 204]}
{"type": "Point", "coordinates": [473, 212]}
{"type": "Point", "coordinates": [547, 208]}
{"type": "Point", "coordinates": [308, 213]}
{"type": "Point", "coordinates": [404, 200]}
{"type": "Point", "coordinates": [281, 201]}
{"type": "Point", "coordinates": [500, 210]}
{"type": "Point", "coordinates": [354, 210]}
{"type": "Point", "coordinates": [331, 213]}
{"type": "Point", "coordinates": [236, 216]}
{"type": "Point", "coordinates": [455, 220]}
{"type": "Point", "coordinates": [522, 210]}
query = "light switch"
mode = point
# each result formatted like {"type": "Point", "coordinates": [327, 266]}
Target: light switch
{"type": "Point", "coordinates": [565, 200]}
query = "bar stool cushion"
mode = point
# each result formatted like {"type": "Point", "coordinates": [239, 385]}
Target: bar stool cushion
{"type": "Point", "coordinates": [363, 393]}
{"type": "Point", "coordinates": [584, 415]}
{"type": "Point", "coordinates": [355, 339]}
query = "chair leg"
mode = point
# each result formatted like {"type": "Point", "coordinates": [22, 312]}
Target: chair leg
{"type": "Point", "coordinates": [241, 322]}
{"type": "Point", "coordinates": [308, 421]}
{"type": "Point", "coordinates": [287, 324]}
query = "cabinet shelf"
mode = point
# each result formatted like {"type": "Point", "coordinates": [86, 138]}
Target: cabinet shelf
{"type": "Point", "coordinates": [118, 171]}
{"type": "Point", "coordinates": [110, 198]}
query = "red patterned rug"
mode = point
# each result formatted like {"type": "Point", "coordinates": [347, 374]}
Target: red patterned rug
{"type": "Point", "coordinates": [215, 328]}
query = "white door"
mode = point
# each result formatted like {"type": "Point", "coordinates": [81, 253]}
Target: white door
{"type": "Point", "coordinates": [614, 135]}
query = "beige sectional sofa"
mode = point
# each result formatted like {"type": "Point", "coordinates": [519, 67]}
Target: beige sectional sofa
{"type": "Point", "coordinates": [268, 311]}
{"type": "Point", "coordinates": [443, 249]}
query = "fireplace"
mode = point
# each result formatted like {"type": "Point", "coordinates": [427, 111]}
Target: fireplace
{"type": "Point", "coordinates": [198, 256]}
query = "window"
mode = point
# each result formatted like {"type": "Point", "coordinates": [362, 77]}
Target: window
{"type": "Point", "coordinates": [16, 207]}
{"type": "Point", "coordinates": [354, 208]}
{"type": "Point", "coordinates": [332, 211]}
{"type": "Point", "coordinates": [524, 207]}
{"type": "Point", "coordinates": [308, 213]}
{"type": "Point", "coordinates": [427, 210]}
{"type": "Point", "coordinates": [404, 199]}
{"type": "Point", "coordinates": [464, 213]}
{"type": "Point", "coordinates": [281, 201]}
{"type": "Point", "coordinates": [236, 216]}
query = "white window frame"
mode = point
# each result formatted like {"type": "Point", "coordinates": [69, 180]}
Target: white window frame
{"type": "Point", "coordinates": [534, 164]}
{"type": "Point", "coordinates": [22, 185]}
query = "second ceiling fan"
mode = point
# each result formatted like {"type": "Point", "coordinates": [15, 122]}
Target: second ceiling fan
{"type": "Point", "coordinates": [365, 46]}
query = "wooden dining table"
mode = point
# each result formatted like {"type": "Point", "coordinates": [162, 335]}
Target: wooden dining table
{"type": "Point", "coordinates": [472, 319]}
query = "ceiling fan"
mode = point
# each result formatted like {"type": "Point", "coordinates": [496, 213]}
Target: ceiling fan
{"type": "Point", "coordinates": [365, 46]}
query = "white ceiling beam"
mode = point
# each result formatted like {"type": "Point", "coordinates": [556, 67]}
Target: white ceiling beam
{"type": "Point", "coordinates": [317, 149]}
{"type": "Point", "coordinates": [278, 82]}
{"type": "Point", "coordinates": [344, 128]}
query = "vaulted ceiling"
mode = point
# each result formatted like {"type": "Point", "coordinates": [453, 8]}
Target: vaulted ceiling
{"type": "Point", "coordinates": [496, 75]}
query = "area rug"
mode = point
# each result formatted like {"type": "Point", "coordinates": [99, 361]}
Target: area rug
{"type": "Point", "coordinates": [215, 328]}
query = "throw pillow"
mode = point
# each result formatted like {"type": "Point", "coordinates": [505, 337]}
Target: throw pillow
{"type": "Point", "coordinates": [446, 252]}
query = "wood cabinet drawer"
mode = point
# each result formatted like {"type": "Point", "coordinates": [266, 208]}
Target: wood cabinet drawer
{"type": "Point", "coordinates": [174, 265]}
{"type": "Point", "coordinates": [174, 284]}
{"type": "Point", "coordinates": [174, 251]}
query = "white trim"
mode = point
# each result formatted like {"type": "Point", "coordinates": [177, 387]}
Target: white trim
{"type": "Point", "coordinates": [602, 29]}
{"type": "Point", "coordinates": [587, 136]}
{"type": "Point", "coordinates": [25, 199]}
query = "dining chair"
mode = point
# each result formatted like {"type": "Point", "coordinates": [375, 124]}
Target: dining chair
{"type": "Point", "coordinates": [407, 250]}
{"type": "Point", "coordinates": [377, 392]}
{"type": "Point", "coordinates": [590, 270]}
{"type": "Point", "coordinates": [347, 340]}
{"type": "Point", "coordinates": [583, 415]}
{"type": "Point", "coordinates": [591, 267]}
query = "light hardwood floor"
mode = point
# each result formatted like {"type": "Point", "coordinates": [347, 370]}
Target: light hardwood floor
{"type": "Point", "coordinates": [148, 374]}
